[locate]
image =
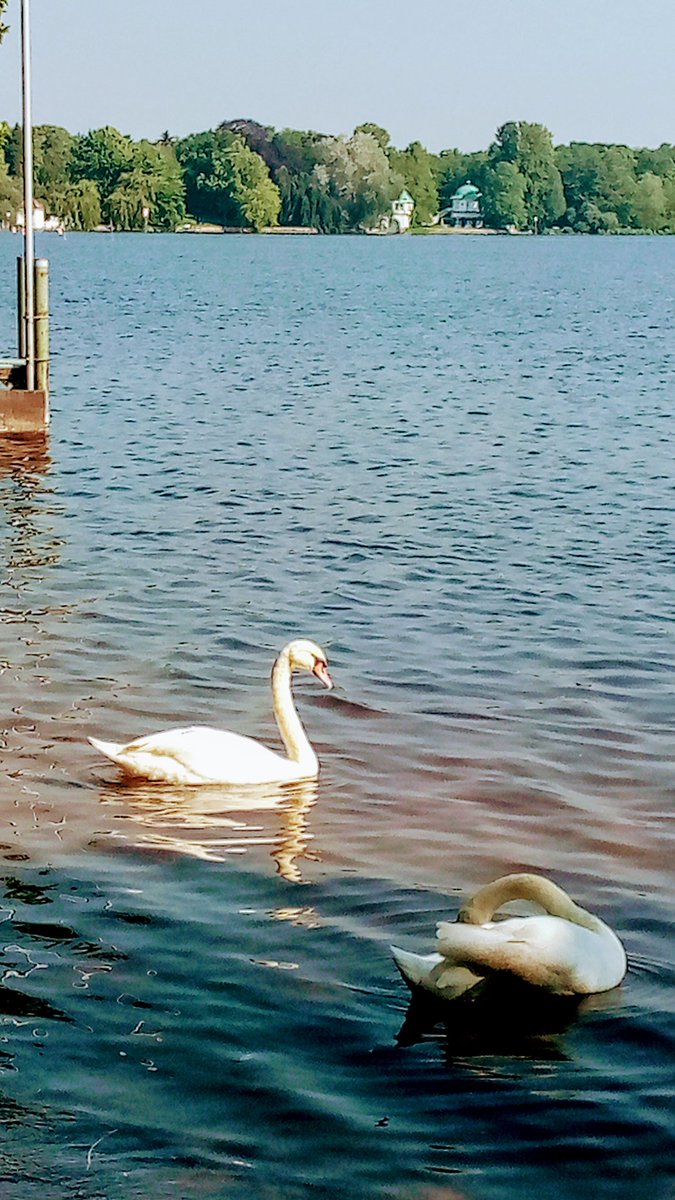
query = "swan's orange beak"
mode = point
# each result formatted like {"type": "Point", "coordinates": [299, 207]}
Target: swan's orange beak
{"type": "Point", "coordinates": [321, 671]}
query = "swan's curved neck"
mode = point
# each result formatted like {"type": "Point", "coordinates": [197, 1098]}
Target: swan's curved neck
{"type": "Point", "coordinates": [291, 729]}
{"type": "Point", "coordinates": [525, 887]}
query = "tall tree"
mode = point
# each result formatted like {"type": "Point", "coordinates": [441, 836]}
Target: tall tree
{"type": "Point", "coordinates": [381, 135]}
{"type": "Point", "coordinates": [308, 197]}
{"type": "Point", "coordinates": [503, 196]}
{"type": "Point", "coordinates": [10, 188]}
{"type": "Point", "coordinates": [102, 155]}
{"type": "Point", "coordinates": [660, 161]}
{"type": "Point", "coordinates": [238, 190]}
{"type": "Point", "coordinates": [259, 138]}
{"type": "Point", "coordinates": [196, 156]}
{"type": "Point", "coordinates": [530, 148]}
{"type": "Point", "coordinates": [150, 193]}
{"type": "Point", "coordinates": [599, 184]}
{"type": "Point", "coordinates": [649, 203]}
{"type": "Point", "coordinates": [80, 205]}
{"type": "Point", "coordinates": [358, 170]}
{"type": "Point", "coordinates": [11, 196]}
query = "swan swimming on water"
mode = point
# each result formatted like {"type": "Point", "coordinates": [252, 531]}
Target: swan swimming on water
{"type": "Point", "coordinates": [566, 951]}
{"type": "Point", "coordinates": [198, 754]}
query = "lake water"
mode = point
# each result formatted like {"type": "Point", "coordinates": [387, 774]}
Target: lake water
{"type": "Point", "coordinates": [449, 461]}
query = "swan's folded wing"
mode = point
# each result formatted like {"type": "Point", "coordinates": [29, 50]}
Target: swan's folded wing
{"type": "Point", "coordinates": [521, 949]}
{"type": "Point", "coordinates": [202, 753]}
{"type": "Point", "coordinates": [181, 744]}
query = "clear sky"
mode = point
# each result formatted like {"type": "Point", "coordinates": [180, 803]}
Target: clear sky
{"type": "Point", "coordinates": [446, 74]}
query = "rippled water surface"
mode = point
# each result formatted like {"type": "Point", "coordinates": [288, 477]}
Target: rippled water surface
{"type": "Point", "coordinates": [450, 462]}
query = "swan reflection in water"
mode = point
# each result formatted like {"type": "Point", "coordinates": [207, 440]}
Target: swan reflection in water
{"type": "Point", "coordinates": [213, 822]}
{"type": "Point", "coordinates": [500, 1019]}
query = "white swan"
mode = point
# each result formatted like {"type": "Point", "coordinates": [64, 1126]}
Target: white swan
{"type": "Point", "coordinates": [203, 755]}
{"type": "Point", "coordinates": [567, 952]}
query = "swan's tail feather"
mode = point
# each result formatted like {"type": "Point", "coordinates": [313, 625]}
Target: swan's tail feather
{"type": "Point", "coordinates": [434, 974]}
{"type": "Point", "coordinates": [118, 753]}
{"type": "Point", "coordinates": [415, 968]}
{"type": "Point", "coordinates": [108, 749]}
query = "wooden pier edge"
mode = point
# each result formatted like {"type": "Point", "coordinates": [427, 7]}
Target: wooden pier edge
{"type": "Point", "coordinates": [22, 411]}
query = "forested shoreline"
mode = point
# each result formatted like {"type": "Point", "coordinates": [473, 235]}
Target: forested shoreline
{"type": "Point", "coordinates": [245, 175]}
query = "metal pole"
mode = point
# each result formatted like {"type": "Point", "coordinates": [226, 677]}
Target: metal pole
{"type": "Point", "coordinates": [42, 324]}
{"type": "Point", "coordinates": [29, 247]}
{"type": "Point", "coordinates": [21, 306]}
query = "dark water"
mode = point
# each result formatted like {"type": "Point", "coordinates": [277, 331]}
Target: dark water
{"type": "Point", "coordinates": [452, 462]}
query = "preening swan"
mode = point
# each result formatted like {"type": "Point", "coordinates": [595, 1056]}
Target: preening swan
{"type": "Point", "coordinates": [203, 755]}
{"type": "Point", "coordinates": [567, 952]}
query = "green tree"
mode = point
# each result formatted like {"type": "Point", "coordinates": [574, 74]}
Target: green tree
{"type": "Point", "coordinates": [10, 188]}
{"type": "Point", "coordinates": [259, 138]}
{"type": "Point", "coordinates": [150, 193]}
{"type": "Point", "coordinates": [3, 28]}
{"type": "Point", "coordinates": [80, 205]}
{"type": "Point", "coordinates": [308, 198]}
{"type": "Point", "coordinates": [297, 150]}
{"type": "Point", "coordinates": [660, 161]}
{"type": "Point", "coordinates": [616, 186]}
{"type": "Point", "coordinates": [358, 171]}
{"type": "Point", "coordinates": [4, 138]}
{"type": "Point", "coordinates": [310, 201]}
{"type": "Point", "coordinates": [649, 203]}
{"type": "Point", "coordinates": [530, 148]}
{"type": "Point", "coordinates": [238, 190]}
{"type": "Point", "coordinates": [52, 153]}
{"type": "Point", "coordinates": [599, 184]}
{"type": "Point", "coordinates": [11, 197]}
{"type": "Point", "coordinates": [102, 155]}
{"type": "Point", "coordinates": [503, 196]}
{"type": "Point", "coordinates": [195, 154]}
{"type": "Point", "coordinates": [381, 135]}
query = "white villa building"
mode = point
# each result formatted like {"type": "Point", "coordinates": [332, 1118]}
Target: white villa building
{"type": "Point", "coordinates": [400, 218]}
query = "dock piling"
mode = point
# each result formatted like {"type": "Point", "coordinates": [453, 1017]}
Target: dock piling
{"type": "Point", "coordinates": [42, 324]}
{"type": "Point", "coordinates": [24, 382]}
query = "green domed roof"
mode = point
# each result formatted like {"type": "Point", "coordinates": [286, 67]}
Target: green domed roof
{"type": "Point", "coordinates": [467, 189]}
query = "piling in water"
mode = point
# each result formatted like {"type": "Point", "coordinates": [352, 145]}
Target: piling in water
{"type": "Point", "coordinates": [42, 325]}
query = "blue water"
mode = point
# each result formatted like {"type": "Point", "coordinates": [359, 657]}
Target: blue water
{"type": "Point", "coordinates": [450, 462]}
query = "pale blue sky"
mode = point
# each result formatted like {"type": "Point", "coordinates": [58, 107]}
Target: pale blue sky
{"type": "Point", "coordinates": [444, 73]}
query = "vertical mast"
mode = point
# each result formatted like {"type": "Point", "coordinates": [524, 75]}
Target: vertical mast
{"type": "Point", "coordinates": [29, 247]}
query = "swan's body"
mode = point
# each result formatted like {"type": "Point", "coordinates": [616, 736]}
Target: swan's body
{"type": "Point", "coordinates": [199, 755]}
{"type": "Point", "coordinates": [567, 951]}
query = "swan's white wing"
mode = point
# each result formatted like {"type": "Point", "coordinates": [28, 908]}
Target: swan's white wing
{"type": "Point", "coordinates": [545, 951]}
{"type": "Point", "coordinates": [199, 754]}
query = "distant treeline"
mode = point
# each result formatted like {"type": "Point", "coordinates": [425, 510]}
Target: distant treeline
{"type": "Point", "coordinates": [247, 175]}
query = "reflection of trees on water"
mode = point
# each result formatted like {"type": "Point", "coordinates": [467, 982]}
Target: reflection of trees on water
{"type": "Point", "coordinates": [26, 545]}
{"type": "Point", "coordinates": [28, 551]}
{"type": "Point", "coordinates": [214, 822]}
{"type": "Point", "coordinates": [24, 463]}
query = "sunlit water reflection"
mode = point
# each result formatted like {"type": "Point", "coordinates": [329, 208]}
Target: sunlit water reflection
{"type": "Point", "coordinates": [451, 463]}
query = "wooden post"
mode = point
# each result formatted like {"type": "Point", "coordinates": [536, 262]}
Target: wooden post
{"type": "Point", "coordinates": [42, 324]}
{"type": "Point", "coordinates": [21, 306]}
